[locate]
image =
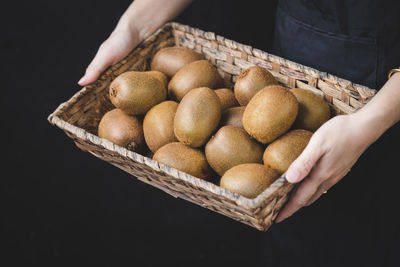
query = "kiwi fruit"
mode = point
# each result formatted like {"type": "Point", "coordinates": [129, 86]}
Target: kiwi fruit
{"type": "Point", "coordinates": [161, 76]}
{"type": "Point", "coordinates": [313, 110]}
{"type": "Point", "coordinates": [184, 158]}
{"type": "Point", "coordinates": [158, 125]}
{"type": "Point", "coordinates": [232, 116]}
{"type": "Point", "coordinates": [196, 74]}
{"type": "Point", "coordinates": [227, 98]}
{"type": "Point", "coordinates": [169, 60]}
{"type": "Point", "coordinates": [136, 92]}
{"type": "Point", "coordinates": [197, 116]}
{"type": "Point", "coordinates": [283, 151]}
{"type": "Point", "coordinates": [250, 81]}
{"type": "Point", "coordinates": [231, 146]}
{"type": "Point", "coordinates": [121, 129]}
{"type": "Point", "coordinates": [270, 113]}
{"type": "Point", "coordinates": [249, 179]}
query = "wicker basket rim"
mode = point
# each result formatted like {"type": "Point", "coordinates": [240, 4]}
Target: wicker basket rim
{"type": "Point", "coordinates": [211, 36]}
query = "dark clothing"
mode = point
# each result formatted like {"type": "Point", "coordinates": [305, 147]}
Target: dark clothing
{"type": "Point", "coordinates": [355, 223]}
{"type": "Point", "coordinates": [358, 40]}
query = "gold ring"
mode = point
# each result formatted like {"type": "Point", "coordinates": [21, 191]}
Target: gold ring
{"type": "Point", "coordinates": [392, 72]}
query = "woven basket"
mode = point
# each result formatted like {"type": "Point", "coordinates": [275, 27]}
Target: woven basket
{"type": "Point", "coordinates": [79, 118]}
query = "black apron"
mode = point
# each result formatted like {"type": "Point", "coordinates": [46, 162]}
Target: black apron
{"type": "Point", "coordinates": [354, 223]}
{"type": "Point", "coordinates": [358, 40]}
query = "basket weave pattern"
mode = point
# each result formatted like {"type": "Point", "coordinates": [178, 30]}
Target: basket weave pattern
{"type": "Point", "coordinates": [80, 116]}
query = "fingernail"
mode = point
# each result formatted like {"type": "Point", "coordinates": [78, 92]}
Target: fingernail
{"type": "Point", "coordinates": [81, 80]}
{"type": "Point", "coordinates": [292, 175]}
{"type": "Point", "coordinates": [279, 219]}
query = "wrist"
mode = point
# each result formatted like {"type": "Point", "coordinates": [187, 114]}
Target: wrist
{"type": "Point", "coordinates": [370, 125]}
{"type": "Point", "coordinates": [382, 110]}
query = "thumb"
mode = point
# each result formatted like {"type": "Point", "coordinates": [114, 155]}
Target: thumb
{"type": "Point", "coordinates": [302, 166]}
{"type": "Point", "coordinates": [104, 58]}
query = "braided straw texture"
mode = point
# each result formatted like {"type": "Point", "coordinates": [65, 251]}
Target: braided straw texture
{"type": "Point", "coordinates": [80, 116]}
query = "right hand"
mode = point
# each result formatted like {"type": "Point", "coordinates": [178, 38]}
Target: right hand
{"type": "Point", "coordinates": [112, 50]}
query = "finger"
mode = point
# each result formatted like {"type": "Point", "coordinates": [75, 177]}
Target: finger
{"type": "Point", "coordinates": [302, 195]}
{"type": "Point", "coordinates": [321, 190]}
{"type": "Point", "coordinates": [325, 186]}
{"type": "Point", "coordinates": [331, 182]}
{"type": "Point", "coordinates": [103, 58]}
{"type": "Point", "coordinates": [302, 166]}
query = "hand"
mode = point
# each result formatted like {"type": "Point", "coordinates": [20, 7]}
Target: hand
{"type": "Point", "coordinates": [332, 151]}
{"type": "Point", "coordinates": [115, 48]}
{"type": "Point", "coordinates": [141, 19]}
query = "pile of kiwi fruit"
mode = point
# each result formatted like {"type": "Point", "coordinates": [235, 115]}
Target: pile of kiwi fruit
{"type": "Point", "coordinates": [181, 114]}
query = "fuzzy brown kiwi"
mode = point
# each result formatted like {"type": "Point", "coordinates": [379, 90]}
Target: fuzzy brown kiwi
{"type": "Point", "coordinates": [169, 60]}
{"type": "Point", "coordinates": [196, 74]}
{"type": "Point", "coordinates": [313, 110]}
{"type": "Point", "coordinates": [270, 113]}
{"type": "Point", "coordinates": [197, 116]}
{"type": "Point", "coordinates": [249, 179]}
{"type": "Point", "coordinates": [232, 116]}
{"type": "Point", "coordinates": [231, 146]}
{"type": "Point", "coordinates": [158, 125]}
{"type": "Point", "coordinates": [250, 81]}
{"type": "Point", "coordinates": [159, 75]}
{"type": "Point", "coordinates": [184, 158]}
{"type": "Point", "coordinates": [227, 98]}
{"type": "Point", "coordinates": [136, 92]}
{"type": "Point", "coordinates": [122, 129]}
{"type": "Point", "coordinates": [282, 152]}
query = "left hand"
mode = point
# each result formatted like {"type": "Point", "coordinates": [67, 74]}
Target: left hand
{"type": "Point", "coordinates": [332, 151]}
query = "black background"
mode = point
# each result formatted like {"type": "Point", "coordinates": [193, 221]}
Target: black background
{"type": "Point", "coordinates": [64, 207]}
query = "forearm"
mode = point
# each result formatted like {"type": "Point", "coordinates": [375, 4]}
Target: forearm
{"type": "Point", "coordinates": [383, 111]}
{"type": "Point", "coordinates": [145, 16]}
